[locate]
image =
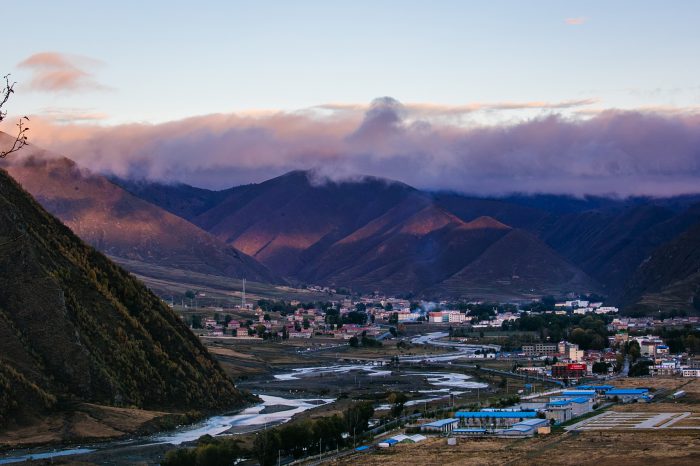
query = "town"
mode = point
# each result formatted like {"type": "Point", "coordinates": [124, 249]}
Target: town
{"type": "Point", "coordinates": [452, 372]}
{"type": "Point", "coordinates": [603, 343]}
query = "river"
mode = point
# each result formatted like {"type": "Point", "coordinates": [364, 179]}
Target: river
{"type": "Point", "coordinates": [254, 418]}
{"type": "Point", "coordinates": [276, 410]}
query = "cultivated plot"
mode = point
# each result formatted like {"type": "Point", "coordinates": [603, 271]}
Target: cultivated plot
{"type": "Point", "coordinates": [638, 420]}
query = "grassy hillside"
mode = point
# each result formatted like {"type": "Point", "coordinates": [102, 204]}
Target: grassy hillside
{"type": "Point", "coordinates": [669, 278]}
{"type": "Point", "coordinates": [74, 326]}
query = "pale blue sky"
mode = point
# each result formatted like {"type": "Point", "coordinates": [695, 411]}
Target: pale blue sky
{"type": "Point", "coordinates": [165, 60]}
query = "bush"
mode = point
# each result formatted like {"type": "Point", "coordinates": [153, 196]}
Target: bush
{"type": "Point", "coordinates": [181, 457]}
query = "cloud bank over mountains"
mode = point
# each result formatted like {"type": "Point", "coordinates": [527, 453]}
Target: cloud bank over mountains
{"type": "Point", "coordinates": [427, 146]}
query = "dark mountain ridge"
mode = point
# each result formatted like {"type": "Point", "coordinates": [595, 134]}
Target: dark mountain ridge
{"type": "Point", "coordinates": [368, 234]}
{"type": "Point", "coordinates": [589, 242]}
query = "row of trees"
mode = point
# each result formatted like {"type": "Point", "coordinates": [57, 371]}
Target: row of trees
{"type": "Point", "coordinates": [589, 332]}
{"type": "Point", "coordinates": [296, 439]}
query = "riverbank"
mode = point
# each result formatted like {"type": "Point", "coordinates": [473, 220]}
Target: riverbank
{"type": "Point", "coordinates": [295, 393]}
{"type": "Point", "coordinates": [87, 422]}
{"type": "Point", "coordinates": [152, 445]}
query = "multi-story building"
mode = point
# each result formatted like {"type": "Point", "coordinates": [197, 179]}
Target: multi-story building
{"type": "Point", "coordinates": [540, 349]}
{"type": "Point", "coordinates": [570, 351]}
{"type": "Point", "coordinates": [569, 371]}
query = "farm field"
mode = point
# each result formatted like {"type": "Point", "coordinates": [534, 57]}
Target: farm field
{"type": "Point", "coordinates": [668, 447]}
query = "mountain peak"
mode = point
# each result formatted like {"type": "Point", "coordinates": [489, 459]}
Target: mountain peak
{"type": "Point", "coordinates": [485, 222]}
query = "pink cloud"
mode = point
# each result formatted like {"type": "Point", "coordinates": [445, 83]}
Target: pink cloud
{"type": "Point", "coordinates": [57, 72]}
{"type": "Point", "coordinates": [609, 152]}
{"type": "Point", "coordinates": [575, 21]}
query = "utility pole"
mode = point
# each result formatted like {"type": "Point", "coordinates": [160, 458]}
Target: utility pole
{"type": "Point", "coordinates": [243, 295]}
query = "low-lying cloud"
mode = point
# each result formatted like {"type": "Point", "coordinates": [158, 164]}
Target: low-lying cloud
{"type": "Point", "coordinates": [612, 152]}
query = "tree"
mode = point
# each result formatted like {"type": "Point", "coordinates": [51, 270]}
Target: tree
{"type": "Point", "coordinates": [397, 400]}
{"type": "Point", "coordinates": [357, 417]}
{"type": "Point", "coordinates": [355, 317]}
{"type": "Point", "coordinates": [20, 139]}
{"type": "Point", "coordinates": [260, 330]}
{"type": "Point", "coordinates": [354, 342]}
{"type": "Point", "coordinates": [633, 350]}
{"type": "Point", "coordinates": [600, 367]}
{"type": "Point", "coordinates": [692, 344]}
{"type": "Point", "coordinates": [196, 321]}
{"type": "Point", "coordinates": [640, 369]}
{"type": "Point", "coordinates": [180, 457]}
{"type": "Point", "coordinates": [394, 318]}
{"type": "Point", "coordinates": [266, 446]}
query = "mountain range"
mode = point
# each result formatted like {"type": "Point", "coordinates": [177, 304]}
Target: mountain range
{"type": "Point", "coordinates": [371, 234]}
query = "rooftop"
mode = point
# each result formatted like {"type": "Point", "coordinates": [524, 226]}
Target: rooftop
{"type": "Point", "coordinates": [582, 399]}
{"type": "Point", "coordinates": [532, 422]}
{"type": "Point", "coordinates": [627, 391]}
{"type": "Point", "coordinates": [497, 414]}
{"type": "Point", "coordinates": [559, 403]}
{"type": "Point", "coordinates": [441, 422]}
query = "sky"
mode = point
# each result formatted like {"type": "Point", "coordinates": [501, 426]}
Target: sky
{"type": "Point", "coordinates": [254, 88]}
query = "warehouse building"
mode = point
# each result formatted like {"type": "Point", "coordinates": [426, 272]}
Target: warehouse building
{"type": "Point", "coordinates": [493, 419]}
{"type": "Point", "coordinates": [526, 428]}
{"type": "Point", "coordinates": [627, 395]}
{"type": "Point", "coordinates": [442, 426]}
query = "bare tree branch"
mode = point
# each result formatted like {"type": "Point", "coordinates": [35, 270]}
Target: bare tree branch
{"type": "Point", "coordinates": [21, 137]}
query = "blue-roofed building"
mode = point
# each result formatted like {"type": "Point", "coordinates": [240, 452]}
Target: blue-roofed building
{"type": "Point", "coordinates": [387, 443]}
{"type": "Point", "coordinates": [493, 419]}
{"type": "Point", "coordinates": [441, 426]}
{"type": "Point", "coordinates": [601, 389]}
{"type": "Point", "coordinates": [627, 394]}
{"type": "Point", "coordinates": [559, 403]}
{"type": "Point", "coordinates": [526, 428]}
{"type": "Point", "coordinates": [561, 410]}
{"type": "Point", "coordinates": [575, 393]}
{"type": "Point", "coordinates": [628, 391]}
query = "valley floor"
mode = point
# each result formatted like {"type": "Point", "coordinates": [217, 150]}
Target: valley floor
{"type": "Point", "coordinates": [86, 422]}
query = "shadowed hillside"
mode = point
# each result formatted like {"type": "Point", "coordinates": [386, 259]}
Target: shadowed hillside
{"type": "Point", "coordinates": [670, 277]}
{"type": "Point", "coordinates": [74, 326]}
